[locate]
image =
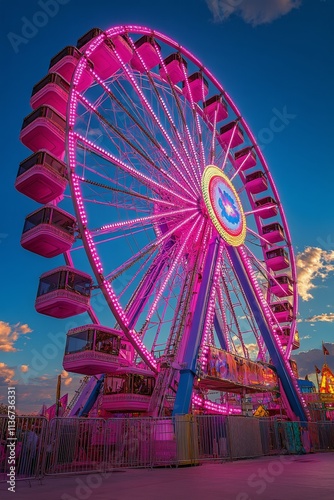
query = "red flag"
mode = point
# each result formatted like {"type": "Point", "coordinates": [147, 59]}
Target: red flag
{"type": "Point", "coordinates": [50, 412]}
{"type": "Point", "coordinates": [62, 405]}
{"type": "Point", "coordinates": [42, 411]}
{"type": "Point", "coordinates": [317, 369]}
{"type": "Point", "coordinates": [325, 350]}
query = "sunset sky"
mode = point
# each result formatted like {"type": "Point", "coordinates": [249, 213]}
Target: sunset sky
{"type": "Point", "coordinates": [273, 57]}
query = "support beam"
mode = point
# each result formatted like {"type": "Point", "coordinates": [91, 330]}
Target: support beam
{"type": "Point", "coordinates": [280, 364]}
{"type": "Point", "coordinates": [92, 397]}
{"type": "Point", "coordinates": [218, 324]}
{"type": "Point", "coordinates": [199, 308]}
{"type": "Point", "coordinates": [150, 280]}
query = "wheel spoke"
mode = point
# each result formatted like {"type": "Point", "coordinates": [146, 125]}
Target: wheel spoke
{"type": "Point", "coordinates": [138, 139]}
{"type": "Point", "coordinates": [154, 117]}
{"type": "Point", "coordinates": [153, 185]}
{"type": "Point", "coordinates": [137, 148]}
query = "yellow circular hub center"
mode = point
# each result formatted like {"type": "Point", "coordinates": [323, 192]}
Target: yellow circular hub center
{"type": "Point", "coordinates": [224, 206]}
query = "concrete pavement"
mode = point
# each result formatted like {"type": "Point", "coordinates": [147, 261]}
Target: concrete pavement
{"type": "Point", "coordinates": [298, 477]}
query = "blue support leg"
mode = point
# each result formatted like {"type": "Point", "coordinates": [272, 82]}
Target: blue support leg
{"type": "Point", "coordinates": [217, 323]}
{"type": "Point", "coordinates": [84, 412]}
{"type": "Point", "coordinates": [187, 375]}
{"type": "Point", "coordinates": [279, 363]}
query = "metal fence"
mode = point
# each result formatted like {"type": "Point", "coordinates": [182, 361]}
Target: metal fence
{"type": "Point", "coordinates": [82, 445]}
{"type": "Point", "coordinates": [22, 446]}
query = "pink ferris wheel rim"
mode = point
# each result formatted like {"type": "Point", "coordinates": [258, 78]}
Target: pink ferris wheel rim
{"type": "Point", "coordinates": [78, 199]}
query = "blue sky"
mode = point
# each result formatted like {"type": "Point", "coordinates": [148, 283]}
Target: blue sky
{"type": "Point", "coordinates": [273, 62]}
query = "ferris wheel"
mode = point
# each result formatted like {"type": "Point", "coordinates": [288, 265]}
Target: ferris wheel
{"type": "Point", "coordinates": [156, 192]}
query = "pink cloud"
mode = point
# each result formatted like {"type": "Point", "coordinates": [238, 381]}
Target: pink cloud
{"type": "Point", "coordinates": [254, 12]}
{"type": "Point", "coordinates": [9, 334]}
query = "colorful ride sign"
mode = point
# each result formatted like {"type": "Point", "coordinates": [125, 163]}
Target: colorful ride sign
{"type": "Point", "coordinates": [234, 371]}
{"type": "Point", "coordinates": [224, 206]}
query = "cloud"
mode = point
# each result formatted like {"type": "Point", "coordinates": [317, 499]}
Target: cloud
{"type": "Point", "coordinates": [326, 317]}
{"type": "Point", "coordinates": [24, 368]}
{"type": "Point", "coordinates": [252, 349]}
{"type": "Point", "coordinates": [9, 334]}
{"type": "Point", "coordinates": [312, 263]}
{"type": "Point", "coordinates": [25, 328]}
{"type": "Point", "coordinates": [6, 373]}
{"type": "Point", "coordinates": [254, 12]}
{"type": "Point", "coordinates": [41, 390]}
{"type": "Point", "coordinates": [65, 375]}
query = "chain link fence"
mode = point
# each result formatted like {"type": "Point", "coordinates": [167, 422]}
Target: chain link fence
{"type": "Point", "coordinates": [84, 445]}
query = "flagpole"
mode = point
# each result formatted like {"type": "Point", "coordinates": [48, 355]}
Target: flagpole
{"type": "Point", "coordinates": [325, 351]}
{"type": "Point", "coordinates": [317, 375]}
{"type": "Point", "coordinates": [58, 395]}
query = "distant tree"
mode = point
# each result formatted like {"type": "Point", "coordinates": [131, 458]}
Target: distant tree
{"type": "Point", "coordinates": [3, 409]}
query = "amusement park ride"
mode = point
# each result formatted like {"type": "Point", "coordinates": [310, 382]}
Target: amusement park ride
{"type": "Point", "coordinates": [153, 188]}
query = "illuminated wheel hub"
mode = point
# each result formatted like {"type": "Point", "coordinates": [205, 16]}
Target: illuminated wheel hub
{"type": "Point", "coordinates": [224, 206]}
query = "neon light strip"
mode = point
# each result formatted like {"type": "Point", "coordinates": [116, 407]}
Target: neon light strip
{"type": "Point", "coordinates": [214, 407]}
{"type": "Point", "coordinates": [229, 145]}
{"type": "Point", "coordinates": [152, 113]}
{"type": "Point", "coordinates": [213, 140]}
{"type": "Point", "coordinates": [151, 246]}
{"type": "Point", "coordinates": [171, 121]}
{"type": "Point", "coordinates": [89, 105]}
{"type": "Point", "coordinates": [267, 312]}
{"type": "Point", "coordinates": [259, 338]}
{"type": "Point", "coordinates": [127, 168]}
{"type": "Point", "coordinates": [121, 30]}
{"type": "Point", "coordinates": [155, 201]}
{"type": "Point", "coordinates": [261, 209]}
{"type": "Point", "coordinates": [107, 228]}
{"type": "Point", "coordinates": [200, 168]}
{"type": "Point", "coordinates": [170, 271]}
{"type": "Point", "coordinates": [223, 313]}
{"type": "Point", "coordinates": [188, 135]}
{"type": "Point", "coordinates": [240, 166]}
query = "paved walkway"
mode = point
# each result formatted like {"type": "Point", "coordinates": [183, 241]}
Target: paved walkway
{"type": "Point", "coordinates": [306, 477]}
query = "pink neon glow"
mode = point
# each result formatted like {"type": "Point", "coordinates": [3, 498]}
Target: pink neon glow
{"type": "Point", "coordinates": [187, 169]}
{"type": "Point", "coordinates": [197, 171]}
{"type": "Point", "coordinates": [131, 170]}
{"type": "Point", "coordinates": [214, 407]}
{"type": "Point", "coordinates": [222, 307]}
{"type": "Point", "coordinates": [268, 314]}
{"type": "Point", "coordinates": [229, 145]}
{"type": "Point", "coordinates": [259, 339]}
{"type": "Point", "coordinates": [152, 113]}
{"type": "Point", "coordinates": [188, 90]}
{"type": "Point", "coordinates": [200, 230]}
{"type": "Point", "coordinates": [172, 268]}
{"type": "Point", "coordinates": [240, 166]}
{"type": "Point", "coordinates": [140, 220]}
{"type": "Point", "coordinates": [89, 105]}
{"type": "Point", "coordinates": [211, 306]}
{"type": "Point", "coordinates": [261, 209]}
